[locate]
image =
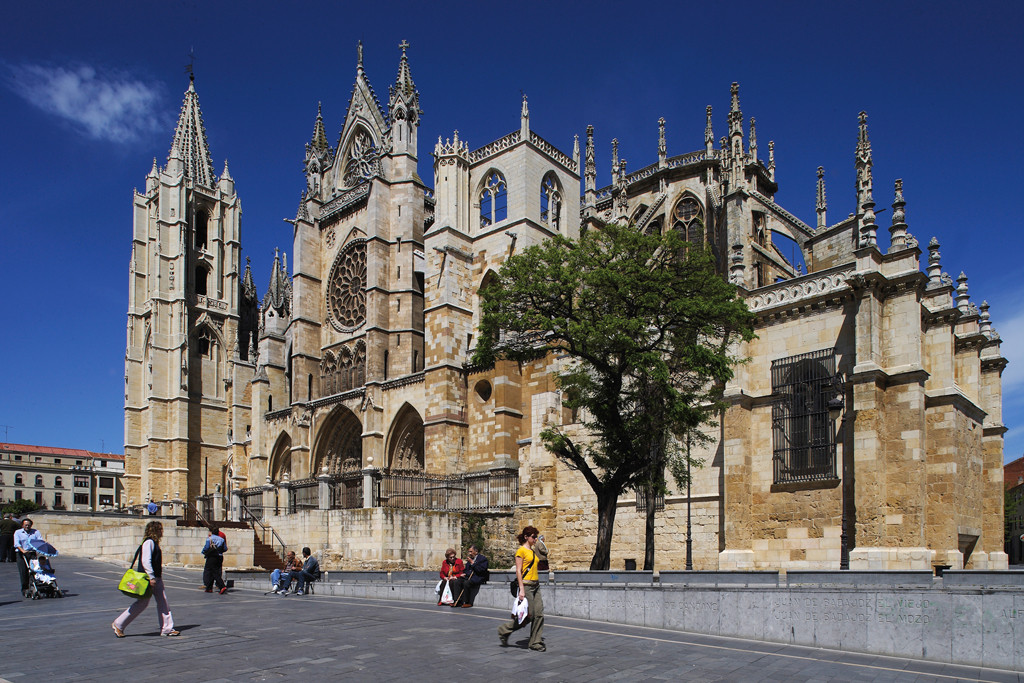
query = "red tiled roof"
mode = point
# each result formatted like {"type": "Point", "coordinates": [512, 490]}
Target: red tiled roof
{"type": "Point", "coordinates": [49, 450]}
{"type": "Point", "coordinates": [1013, 473]}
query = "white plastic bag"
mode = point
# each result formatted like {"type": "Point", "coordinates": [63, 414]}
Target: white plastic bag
{"type": "Point", "coordinates": [437, 588]}
{"type": "Point", "coordinates": [520, 610]}
{"type": "Point", "coordinates": [446, 596]}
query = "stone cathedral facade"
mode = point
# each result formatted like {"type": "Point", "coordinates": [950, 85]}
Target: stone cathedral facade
{"type": "Point", "coordinates": [870, 404]}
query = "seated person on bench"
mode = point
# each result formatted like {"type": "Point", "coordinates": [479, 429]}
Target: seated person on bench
{"type": "Point", "coordinates": [291, 563]}
{"type": "Point", "coordinates": [310, 572]}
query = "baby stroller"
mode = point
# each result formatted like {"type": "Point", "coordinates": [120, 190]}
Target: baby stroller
{"type": "Point", "coordinates": [42, 580]}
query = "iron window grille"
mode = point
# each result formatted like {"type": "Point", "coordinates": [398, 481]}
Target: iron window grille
{"type": "Point", "coordinates": [802, 430]}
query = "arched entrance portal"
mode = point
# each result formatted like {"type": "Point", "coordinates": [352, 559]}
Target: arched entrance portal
{"type": "Point", "coordinates": [340, 445]}
{"type": "Point", "coordinates": [281, 459]}
{"type": "Point", "coordinates": [405, 449]}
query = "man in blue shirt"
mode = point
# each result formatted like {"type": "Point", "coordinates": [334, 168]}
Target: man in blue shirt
{"type": "Point", "coordinates": [310, 572]}
{"type": "Point", "coordinates": [21, 546]}
{"type": "Point", "coordinates": [213, 551]}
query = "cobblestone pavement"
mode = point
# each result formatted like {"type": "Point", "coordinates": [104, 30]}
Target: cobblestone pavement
{"type": "Point", "coordinates": [246, 636]}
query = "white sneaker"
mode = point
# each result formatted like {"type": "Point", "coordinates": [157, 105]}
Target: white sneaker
{"type": "Point", "coordinates": [275, 589]}
{"type": "Point", "coordinates": [298, 592]}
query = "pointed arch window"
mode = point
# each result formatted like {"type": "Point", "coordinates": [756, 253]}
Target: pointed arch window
{"type": "Point", "coordinates": [688, 219]}
{"type": "Point", "coordinates": [361, 161]}
{"type": "Point", "coordinates": [550, 201]}
{"type": "Point", "coordinates": [39, 480]}
{"type": "Point", "coordinates": [493, 200]}
{"type": "Point", "coordinates": [202, 280]}
{"type": "Point", "coordinates": [201, 229]}
{"type": "Point", "coordinates": [205, 341]}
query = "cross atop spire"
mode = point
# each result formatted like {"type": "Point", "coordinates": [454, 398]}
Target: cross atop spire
{"type": "Point", "coordinates": [189, 144]}
{"type": "Point", "coordinates": [359, 55]}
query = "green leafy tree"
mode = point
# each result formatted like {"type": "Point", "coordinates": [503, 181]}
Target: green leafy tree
{"type": "Point", "coordinates": [645, 324]}
{"type": "Point", "coordinates": [20, 507]}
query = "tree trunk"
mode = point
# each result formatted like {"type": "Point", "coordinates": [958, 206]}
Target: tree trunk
{"type": "Point", "coordinates": [649, 498]}
{"type": "Point", "coordinates": [606, 504]}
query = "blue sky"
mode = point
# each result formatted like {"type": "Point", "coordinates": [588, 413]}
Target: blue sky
{"type": "Point", "coordinates": [90, 92]}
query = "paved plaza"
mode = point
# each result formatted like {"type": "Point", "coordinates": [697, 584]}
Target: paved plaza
{"type": "Point", "coordinates": [246, 636]}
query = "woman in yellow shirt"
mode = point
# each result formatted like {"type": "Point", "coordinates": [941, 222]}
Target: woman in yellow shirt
{"type": "Point", "coordinates": [529, 588]}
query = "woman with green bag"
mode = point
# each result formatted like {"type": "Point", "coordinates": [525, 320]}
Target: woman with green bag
{"type": "Point", "coordinates": [151, 560]}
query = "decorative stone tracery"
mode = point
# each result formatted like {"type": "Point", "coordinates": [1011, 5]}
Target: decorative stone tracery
{"type": "Point", "coordinates": [346, 288]}
{"type": "Point", "coordinates": [362, 162]}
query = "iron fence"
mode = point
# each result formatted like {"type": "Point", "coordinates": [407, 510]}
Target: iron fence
{"type": "Point", "coordinates": [303, 494]}
{"type": "Point", "coordinates": [454, 493]}
{"type": "Point", "coordinates": [204, 506]}
{"type": "Point", "coordinates": [347, 492]}
{"type": "Point", "coordinates": [252, 503]}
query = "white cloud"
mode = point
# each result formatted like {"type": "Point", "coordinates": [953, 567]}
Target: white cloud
{"type": "Point", "coordinates": [110, 106]}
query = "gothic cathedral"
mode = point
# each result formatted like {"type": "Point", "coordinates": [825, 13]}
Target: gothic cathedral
{"type": "Point", "coordinates": [864, 430]}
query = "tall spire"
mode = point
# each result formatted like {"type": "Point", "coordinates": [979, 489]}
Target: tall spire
{"type": "Point", "coordinates": [404, 90]}
{"type": "Point", "coordinates": [865, 199]}
{"type": "Point", "coordinates": [190, 145]}
{"type": "Point", "coordinates": [709, 133]}
{"type": "Point", "coordinates": [771, 159]}
{"type": "Point", "coordinates": [753, 138]}
{"type": "Point", "coordinates": [279, 291]}
{"type": "Point", "coordinates": [248, 285]}
{"type": "Point", "coordinates": [590, 168]}
{"type": "Point", "coordinates": [863, 160]}
{"type": "Point", "coordinates": [821, 205]}
{"type": "Point", "coordinates": [662, 147]}
{"type": "Point", "coordinates": [524, 128]}
{"type": "Point", "coordinates": [359, 56]}
{"type": "Point", "coordinates": [615, 161]}
{"type": "Point", "coordinates": [898, 230]}
{"type": "Point", "coordinates": [318, 143]}
{"type": "Point", "coordinates": [735, 115]}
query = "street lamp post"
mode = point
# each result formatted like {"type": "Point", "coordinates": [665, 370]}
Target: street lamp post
{"type": "Point", "coordinates": [835, 410]}
{"type": "Point", "coordinates": [689, 536]}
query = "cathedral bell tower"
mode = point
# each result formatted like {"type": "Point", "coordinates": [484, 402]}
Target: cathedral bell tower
{"type": "Point", "coordinates": [191, 318]}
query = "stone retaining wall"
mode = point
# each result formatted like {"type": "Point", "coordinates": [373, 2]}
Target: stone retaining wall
{"type": "Point", "coordinates": [114, 538]}
{"type": "Point", "coordinates": [979, 623]}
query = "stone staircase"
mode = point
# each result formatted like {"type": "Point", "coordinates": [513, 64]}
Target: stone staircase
{"type": "Point", "coordinates": [264, 555]}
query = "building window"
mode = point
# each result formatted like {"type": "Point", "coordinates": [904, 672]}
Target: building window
{"type": "Point", "coordinates": [493, 200]}
{"type": "Point", "coordinates": [39, 497]}
{"type": "Point", "coordinates": [17, 494]}
{"type": "Point", "coordinates": [107, 500]}
{"type": "Point", "coordinates": [802, 430]}
{"type": "Point", "coordinates": [81, 481]}
{"type": "Point", "coordinates": [39, 480]}
{"type": "Point", "coordinates": [19, 480]}
{"type": "Point", "coordinates": [58, 483]}
{"type": "Point", "coordinates": [81, 499]}
{"type": "Point", "coordinates": [58, 501]}
{"type": "Point", "coordinates": [550, 201]}
{"type": "Point", "coordinates": [106, 482]}
{"type": "Point", "coordinates": [205, 342]}
{"type": "Point", "coordinates": [202, 225]}
{"type": "Point", "coordinates": [688, 219]}
{"type": "Point", "coordinates": [56, 461]}
{"type": "Point", "coordinates": [202, 279]}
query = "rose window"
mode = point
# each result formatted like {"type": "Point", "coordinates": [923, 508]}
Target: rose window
{"type": "Point", "coordinates": [346, 289]}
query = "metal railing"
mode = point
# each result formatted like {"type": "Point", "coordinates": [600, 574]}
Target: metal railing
{"type": "Point", "coordinates": [251, 501]}
{"type": "Point", "coordinates": [347, 492]}
{"type": "Point", "coordinates": [204, 505]}
{"type": "Point", "coordinates": [266, 534]}
{"type": "Point", "coordinates": [454, 493]}
{"type": "Point", "coordinates": [195, 515]}
{"type": "Point", "coordinates": [303, 494]}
